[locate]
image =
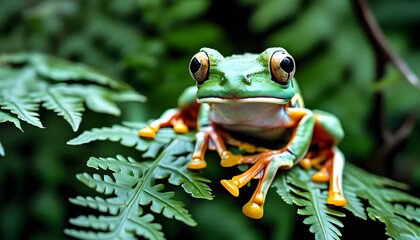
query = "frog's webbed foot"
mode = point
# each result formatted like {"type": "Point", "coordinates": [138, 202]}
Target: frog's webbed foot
{"type": "Point", "coordinates": [330, 165]}
{"type": "Point", "coordinates": [267, 163]}
{"type": "Point", "coordinates": [229, 159]}
{"type": "Point", "coordinates": [171, 118]}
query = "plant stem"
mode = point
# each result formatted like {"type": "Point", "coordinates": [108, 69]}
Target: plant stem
{"type": "Point", "coordinates": [386, 141]}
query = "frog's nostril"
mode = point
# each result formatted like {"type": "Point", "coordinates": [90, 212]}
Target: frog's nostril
{"type": "Point", "coordinates": [247, 78]}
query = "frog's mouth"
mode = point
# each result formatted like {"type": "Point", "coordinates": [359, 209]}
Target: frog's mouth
{"type": "Point", "coordinates": [269, 100]}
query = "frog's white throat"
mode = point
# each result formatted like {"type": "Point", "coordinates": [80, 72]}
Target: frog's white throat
{"type": "Point", "coordinates": [259, 117]}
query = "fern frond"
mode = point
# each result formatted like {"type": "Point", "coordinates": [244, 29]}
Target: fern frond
{"type": "Point", "coordinates": [396, 227]}
{"type": "Point", "coordinates": [132, 184]}
{"type": "Point", "coordinates": [312, 202]}
{"type": "Point", "coordinates": [141, 226]}
{"type": "Point", "coordinates": [69, 107]}
{"type": "Point", "coordinates": [283, 189]}
{"type": "Point", "coordinates": [111, 205]}
{"type": "Point", "coordinates": [25, 109]}
{"type": "Point", "coordinates": [384, 202]}
{"type": "Point", "coordinates": [28, 80]}
{"type": "Point", "coordinates": [2, 153]}
{"type": "Point", "coordinates": [126, 136]}
{"type": "Point", "coordinates": [354, 204]}
{"type": "Point", "coordinates": [105, 185]}
{"type": "Point", "coordinates": [63, 70]}
{"type": "Point", "coordinates": [162, 202]}
{"type": "Point", "coordinates": [410, 212]}
{"type": "Point", "coordinates": [5, 117]}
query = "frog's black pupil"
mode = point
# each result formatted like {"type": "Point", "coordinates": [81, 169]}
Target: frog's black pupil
{"type": "Point", "coordinates": [195, 65]}
{"type": "Point", "coordinates": [287, 65]}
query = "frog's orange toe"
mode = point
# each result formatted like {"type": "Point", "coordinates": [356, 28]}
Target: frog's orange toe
{"type": "Point", "coordinates": [231, 187]}
{"type": "Point", "coordinates": [253, 210]}
{"type": "Point", "coordinates": [229, 159]}
{"type": "Point", "coordinates": [336, 199]}
{"type": "Point", "coordinates": [197, 164]}
{"type": "Point", "coordinates": [305, 164]}
{"type": "Point", "coordinates": [180, 127]}
{"type": "Point", "coordinates": [320, 176]}
{"type": "Point", "coordinates": [147, 132]}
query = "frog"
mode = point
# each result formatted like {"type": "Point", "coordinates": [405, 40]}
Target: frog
{"type": "Point", "coordinates": [253, 102]}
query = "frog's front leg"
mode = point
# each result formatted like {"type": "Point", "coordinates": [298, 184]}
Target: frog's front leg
{"type": "Point", "coordinates": [210, 137]}
{"type": "Point", "coordinates": [303, 122]}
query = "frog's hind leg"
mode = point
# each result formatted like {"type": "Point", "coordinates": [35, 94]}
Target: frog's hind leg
{"type": "Point", "coordinates": [335, 194]}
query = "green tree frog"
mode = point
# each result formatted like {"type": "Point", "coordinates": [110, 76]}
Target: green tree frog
{"type": "Point", "coordinates": [252, 101]}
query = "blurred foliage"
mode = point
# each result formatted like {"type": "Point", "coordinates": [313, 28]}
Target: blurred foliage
{"type": "Point", "coordinates": [148, 44]}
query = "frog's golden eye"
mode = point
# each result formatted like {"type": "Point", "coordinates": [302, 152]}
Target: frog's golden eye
{"type": "Point", "coordinates": [199, 67]}
{"type": "Point", "coordinates": [282, 67]}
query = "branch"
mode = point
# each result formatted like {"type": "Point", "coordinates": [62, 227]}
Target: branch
{"type": "Point", "coordinates": [377, 39]}
{"type": "Point", "coordinates": [387, 141]}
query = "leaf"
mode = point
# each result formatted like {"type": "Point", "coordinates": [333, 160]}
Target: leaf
{"type": "Point", "coordinates": [283, 188]}
{"type": "Point", "coordinates": [126, 136]}
{"type": "Point", "coordinates": [396, 227]}
{"type": "Point", "coordinates": [410, 212]}
{"type": "Point", "coordinates": [270, 12]}
{"type": "Point", "coordinates": [24, 108]}
{"type": "Point", "coordinates": [69, 107]}
{"type": "Point", "coordinates": [385, 202]}
{"type": "Point", "coordinates": [28, 80]}
{"type": "Point", "coordinates": [312, 202]}
{"type": "Point", "coordinates": [354, 204]}
{"type": "Point", "coordinates": [132, 185]}
{"type": "Point", "coordinates": [62, 70]}
{"type": "Point", "coordinates": [162, 203]}
{"type": "Point", "coordinates": [5, 117]}
{"type": "Point", "coordinates": [2, 153]}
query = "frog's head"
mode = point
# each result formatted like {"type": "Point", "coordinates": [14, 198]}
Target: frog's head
{"type": "Point", "coordinates": [248, 78]}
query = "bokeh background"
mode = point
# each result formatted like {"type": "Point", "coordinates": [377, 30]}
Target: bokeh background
{"type": "Point", "coordinates": [148, 44]}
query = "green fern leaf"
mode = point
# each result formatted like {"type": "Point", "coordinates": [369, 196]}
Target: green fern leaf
{"type": "Point", "coordinates": [69, 107]}
{"type": "Point", "coordinates": [111, 205]}
{"type": "Point", "coordinates": [384, 202]}
{"type": "Point", "coordinates": [396, 227]}
{"type": "Point", "coordinates": [128, 137]}
{"type": "Point", "coordinates": [133, 184]}
{"type": "Point", "coordinates": [62, 70]}
{"type": "Point", "coordinates": [283, 189]}
{"type": "Point", "coordinates": [2, 153]}
{"type": "Point", "coordinates": [354, 204]}
{"type": "Point", "coordinates": [141, 226]}
{"type": "Point", "coordinates": [5, 117]}
{"type": "Point", "coordinates": [162, 203]}
{"type": "Point", "coordinates": [120, 164]}
{"type": "Point", "coordinates": [410, 212]}
{"type": "Point", "coordinates": [105, 185]}
{"type": "Point", "coordinates": [98, 98]}
{"type": "Point", "coordinates": [24, 108]}
{"type": "Point", "coordinates": [296, 186]}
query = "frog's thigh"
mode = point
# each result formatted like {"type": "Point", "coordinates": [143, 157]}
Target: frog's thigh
{"type": "Point", "coordinates": [330, 124]}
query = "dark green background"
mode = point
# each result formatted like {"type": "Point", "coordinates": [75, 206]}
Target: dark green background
{"type": "Point", "coordinates": [148, 43]}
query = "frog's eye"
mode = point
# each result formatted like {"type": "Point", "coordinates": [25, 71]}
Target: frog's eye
{"type": "Point", "coordinates": [199, 67]}
{"type": "Point", "coordinates": [282, 67]}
